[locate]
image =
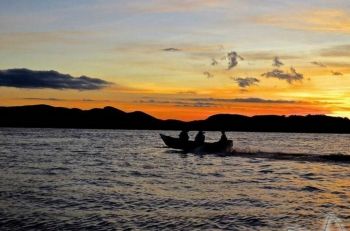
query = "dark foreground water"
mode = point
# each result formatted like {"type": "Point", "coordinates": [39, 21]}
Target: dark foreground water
{"type": "Point", "coordinates": [64, 179]}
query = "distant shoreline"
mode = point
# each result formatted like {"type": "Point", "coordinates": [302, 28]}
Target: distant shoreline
{"type": "Point", "coordinates": [45, 116]}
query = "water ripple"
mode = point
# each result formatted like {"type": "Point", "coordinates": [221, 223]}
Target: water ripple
{"type": "Point", "coordinates": [66, 179]}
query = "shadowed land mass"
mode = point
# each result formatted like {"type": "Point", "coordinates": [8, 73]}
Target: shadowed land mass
{"type": "Point", "coordinates": [45, 116]}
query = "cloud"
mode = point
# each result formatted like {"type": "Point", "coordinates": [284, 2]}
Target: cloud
{"type": "Point", "coordinates": [233, 59]}
{"type": "Point", "coordinates": [336, 73]}
{"type": "Point", "coordinates": [44, 99]}
{"type": "Point", "coordinates": [171, 49]}
{"type": "Point", "coordinates": [214, 62]}
{"type": "Point", "coordinates": [25, 78]}
{"type": "Point", "coordinates": [196, 104]}
{"type": "Point", "coordinates": [336, 51]}
{"type": "Point", "coordinates": [267, 55]}
{"type": "Point", "coordinates": [59, 99]}
{"type": "Point", "coordinates": [245, 82]}
{"type": "Point", "coordinates": [192, 49]}
{"type": "Point", "coordinates": [208, 74]}
{"type": "Point", "coordinates": [178, 102]}
{"type": "Point", "coordinates": [242, 100]}
{"type": "Point", "coordinates": [289, 77]}
{"type": "Point", "coordinates": [344, 63]}
{"type": "Point", "coordinates": [319, 64]}
{"type": "Point", "coordinates": [212, 102]}
{"type": "Point", "coordinates": [259, 100]}
{"type": "Point", "coordinates": [277, 62]}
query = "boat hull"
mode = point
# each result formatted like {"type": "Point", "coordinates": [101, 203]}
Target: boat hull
{"type": "Point", "coordinates": [192, 146]}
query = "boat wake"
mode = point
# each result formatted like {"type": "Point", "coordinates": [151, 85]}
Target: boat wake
{"type": "Point", "coordinates": [338, 158]}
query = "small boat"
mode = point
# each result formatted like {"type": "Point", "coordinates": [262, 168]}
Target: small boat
{"type": "Point", "coordinates": [192, 146]}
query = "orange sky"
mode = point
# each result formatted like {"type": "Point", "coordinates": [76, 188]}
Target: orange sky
{"type": "Point", "coordinates": [179, 59]}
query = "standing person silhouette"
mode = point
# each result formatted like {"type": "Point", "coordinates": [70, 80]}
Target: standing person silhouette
{"type": "Point", "coordinates": [200, 138]}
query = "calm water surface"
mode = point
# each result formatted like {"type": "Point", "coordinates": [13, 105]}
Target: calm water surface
{"type": "Point", "coordinates": [118, 180]}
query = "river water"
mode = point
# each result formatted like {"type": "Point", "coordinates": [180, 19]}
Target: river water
{"type": "Point", "coordinates": [66, 179]}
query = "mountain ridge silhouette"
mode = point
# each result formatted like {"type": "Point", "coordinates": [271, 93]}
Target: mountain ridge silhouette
{"type": "Point", "coordinates": [46, 116]}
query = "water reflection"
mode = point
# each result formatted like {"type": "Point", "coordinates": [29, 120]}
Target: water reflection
{"type": "Point", "coordinates": [104, 179]}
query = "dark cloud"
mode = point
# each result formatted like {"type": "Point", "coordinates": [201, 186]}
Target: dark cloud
{"type": "Point", "coordinates": [242, 100]}
{"type": "Point", "coordinates": [178, 102]}
{"type": "Point", "coordinates": [336, 73]}
{"type": "Point", "coordinates": [233, 59]}
{"type": "Point", "coordinates": [277, 62]}
{"type": "Point", "coordinates": [245, 82]}
{"type": "Point", "coordinates": [25, 78]}
{"type": "Point", "coordinates": [212, 102]}
{"type": "Point", "coordinates": [196, 104]}
{"type": "Point", "coordinates": [289, 77]}
{"type": "Point", "coordinates": [59, 99]}
{"type": "Point", "coordinates": [318, 64]}
{"type": "Point", "coordinates": [214, 62]}
{"type": "Point", "coordinates": [208, 74]}
{"type": "Point", "coordinates": [44, 99]}
{"type": "Point", "coordinates": [171, 49]}
{"type": "Point", "coordinates": [97, 100]}
{"type": "Point", "coordinates": [259, 100]}
{"type": "Point", "coordinates": [151, 101]}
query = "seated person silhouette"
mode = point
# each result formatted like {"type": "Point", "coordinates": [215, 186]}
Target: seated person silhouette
{"type": "Point", "coordinates": [223, 137]}
{"type": "Point", "coordinates": [200, 137]}
{"type": "Point", "coordinates": [183, 136]}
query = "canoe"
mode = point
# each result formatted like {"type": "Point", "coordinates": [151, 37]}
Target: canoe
{"type": "Point", "coordinates": [192, 146]}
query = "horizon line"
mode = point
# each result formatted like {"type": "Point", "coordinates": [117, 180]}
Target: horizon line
{"type": "Point", "coordinates": [126, 111]}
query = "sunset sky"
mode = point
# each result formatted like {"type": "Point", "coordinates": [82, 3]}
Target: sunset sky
{"type": "Point", "coordinates": [183, 59]}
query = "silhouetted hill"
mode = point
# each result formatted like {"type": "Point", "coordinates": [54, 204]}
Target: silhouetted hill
{"type": "Point", "coordinates": [109, 117]}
